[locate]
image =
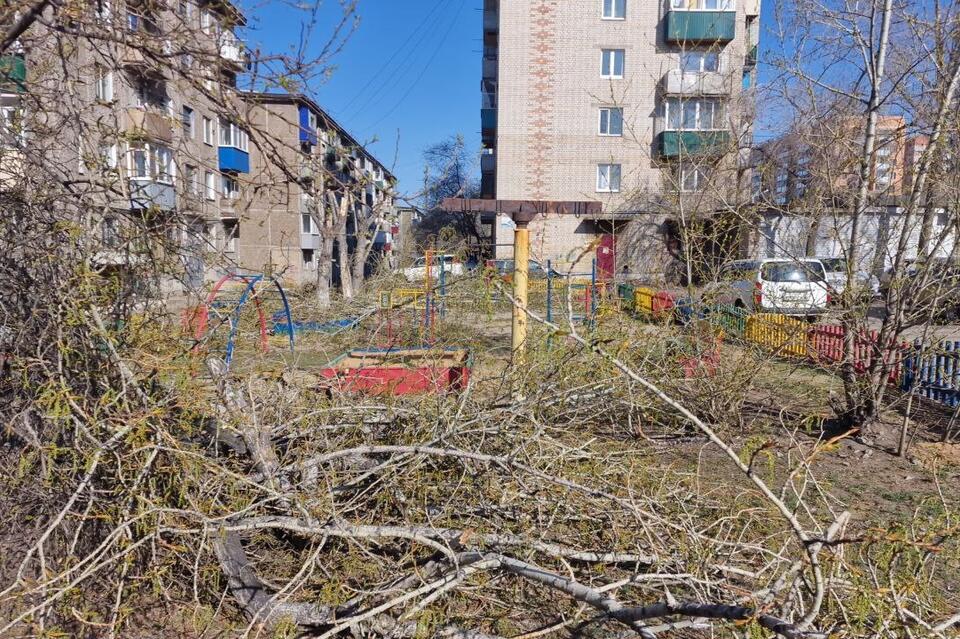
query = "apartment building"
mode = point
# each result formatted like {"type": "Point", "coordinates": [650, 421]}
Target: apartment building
{"type": "Point", "coordinates": [616, 101]}
{"type": "Point", "coordinates": [804, 183]}
{"type": "Point", "coordinates": [146, 115]}
{"type": "Point", "coordinates": [299, 137]}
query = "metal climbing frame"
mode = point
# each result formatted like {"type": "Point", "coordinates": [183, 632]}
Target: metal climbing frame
{"type": "Point", "coordinates": [251, 280]}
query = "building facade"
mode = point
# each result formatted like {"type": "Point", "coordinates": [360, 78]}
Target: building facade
{"type": "Point", "coordinates": [616, 101]}
{"type": "Point", "coordinates": [174, 161]}
{"type": "Point", "coordinates": [804, 183]}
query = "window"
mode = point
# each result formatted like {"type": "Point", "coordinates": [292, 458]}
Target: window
{"type": "Point", "coordinates": [185, 10]}
{"type": "Point", "coordinates": [153, 162]}
{"type": "Point", "coordinates": [104, 87]}
{"type": "Point", "coordinates": [700, 61]}
{"type": "Point", "coordinates": [232, 135]}
{"type": "Point", "coordinates": [108, 156]}
{"type": "Point", "coordinates": [308, 261]}
{"type": "Point", "coordinates": [110, 232]}
{"type": "Point", "coordinates": [608, 178]}
{"type": "Point", "coordinates": [186, 118]}
{"type": "Point", "coordinates": [611, 121]}
{"type": "Point", "coordinates": [206, 21]}
{"type": "Point", "coordinates": [210, 184]}
{"type": "Point", "coordinates": [614, 9]}
{"type": "Point", "coordinates": [192, 179]}
{"type": "Point", "coordinates": [103, 10]}
{"type": "Point", "coordinates": [611, 64]}
{"type": "Point", "coordinates": [152, 94]}
{"type": "Point", "coordinates": [230, 187]}
{"type": "Point", "coordinates": [703, 5]}
{"type": "Point", "coordinates": [307, 225]}
{"type": "Point", "coordinates": [208, 133]}
{"type": "Point", "coordinates": [694, 114]}
{"type": "Point", "coordinates": [693, 179]}
{"type": "Point", "coordinates": [231, 231]}
{"type": "Point", "coordinates": [782, 182]}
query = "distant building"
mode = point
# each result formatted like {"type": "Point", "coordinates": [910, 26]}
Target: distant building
{"type": "Point", "coordinates": [165, 142]}
{"type": "Point", "coordinates": [278, 211]}
{"type": "Point", "coordinates": [804, 184]}
{"type": "Point", "coordinates": [615, 101]}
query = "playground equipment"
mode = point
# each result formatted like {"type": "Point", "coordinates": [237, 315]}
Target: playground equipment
{"type": "Point", "coordinates": [401, 371]}
{"type": "Point", "coordinates": [233, 309]}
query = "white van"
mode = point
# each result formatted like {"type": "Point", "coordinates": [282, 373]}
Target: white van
{"type": "Point", "coordinates": [787, 286]}
{"type": "Point", "coordinates": [418, 272]}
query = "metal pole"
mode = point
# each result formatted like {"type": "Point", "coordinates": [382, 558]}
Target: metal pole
{"type": "Point", "coordinates": [549, 292]}
{"type": "Point", "coordinates": [521, 257]}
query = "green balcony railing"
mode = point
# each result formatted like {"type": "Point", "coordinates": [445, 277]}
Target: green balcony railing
{"type": "Point", "coordinates": [701, 26]}
{"type": "Point", "coordinates": [677, 143]}
{"type": "Point", "coordinates": [13, 71]}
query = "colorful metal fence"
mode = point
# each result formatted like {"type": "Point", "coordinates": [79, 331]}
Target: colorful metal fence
{"type": "Point", "coordinates": [932, 371]}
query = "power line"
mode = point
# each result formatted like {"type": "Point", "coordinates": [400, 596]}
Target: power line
{"type": "Point", "coordinates": [383, 68]}
{"type": "Point", "coordinates": [404, 65]}
{"type": "Point", "coordinates": [423, 71]}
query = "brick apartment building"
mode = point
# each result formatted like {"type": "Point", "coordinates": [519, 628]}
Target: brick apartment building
{"type": "Point", "coordinates": [612, 101]}
{"type": "Point", "coordinates": [803, 183]}
{"type": "Point", "coordinates": [148, 112]}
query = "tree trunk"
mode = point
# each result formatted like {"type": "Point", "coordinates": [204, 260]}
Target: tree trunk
{"type": "Point", "coordinates": [325, 269]}
{"type": "Point", "coordinates": [858, 411]}
{"type": "Point", "coordinates": [343, 259]}
{"type": "Point", "coordinates": [812, 234]}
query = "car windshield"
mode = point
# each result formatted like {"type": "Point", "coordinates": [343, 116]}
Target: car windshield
{"type": "Point", "coordinates": [834, 264]}
{"type": "Point", "coordinates": [792, 272]}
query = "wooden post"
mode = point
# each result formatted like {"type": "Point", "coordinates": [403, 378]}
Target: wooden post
{"type": "Point", "coordinates": [521, 263]}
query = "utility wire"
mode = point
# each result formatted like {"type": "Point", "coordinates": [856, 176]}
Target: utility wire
{"type": "Point", "coordinates": [403, 68]}
{"type": "Point", "coordinates": [383, 68]}
{"type": "Point", "coordinates": [423, 71]}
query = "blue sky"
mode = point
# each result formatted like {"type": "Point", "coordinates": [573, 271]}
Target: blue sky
{"type": "Point", "coordinates": [409, 75]}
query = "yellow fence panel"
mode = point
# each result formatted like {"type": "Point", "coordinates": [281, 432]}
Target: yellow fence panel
{"type": "Point", "coordinates": [784, 335]}
{"type": "Point", "coordinates": [408, 297]}
{"type": "Point", "coordinates": [643, 300]}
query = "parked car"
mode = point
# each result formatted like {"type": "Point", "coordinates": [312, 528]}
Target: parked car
{"type": "Point", "coordinates": [505, 268]}
{"type": "Point", "coordinates": [418, 272]}
{"type": "Point", "coordinates": [787, 286]}
{"type": "Point", "coordinates": [836, 268]}
{"type": "Point", "coordinates": [938, 298]}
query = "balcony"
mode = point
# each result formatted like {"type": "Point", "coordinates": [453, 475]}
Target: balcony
{"type": "Point", "coordinates": [146, 194]}
{"type": "Point", "coordinates": [309, 241]}
{"type": "Point", "coordinates": [491, 20]}
{"type": "Point", "coordinates": [750, 60]}
{"type": "Point", "coordinates": [488, 161]}
{"type": "Point", "coordinates": [680, 82]}
{"type": "Point", "coordinates": [673, 144]}
{"type": "Point", "coordinates": [701, 26]}
{"type": "Point", "coordinates": [145, 123]}
{"type": "Point", "coordinates": [13, 72]}
{"type": "Point", "coordinates": [488, 100]}
{"type": "Point", "coordinates": [489, 68]}
{"type": "Point", "coordinates": [232, 51]}
{"type": "Point", "coordinates": [11, 169]}
{"type": "Point", "coordinates": [488, 118]}
{"type": "Point", "coordinates": [233, 160]}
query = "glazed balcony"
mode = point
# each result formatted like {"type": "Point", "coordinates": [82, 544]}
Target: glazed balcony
{"type": "Point", "coordinates": [675, 144]}
{"type": "Point", "coordinates": [148, 194]}
{"type": "Point", "coordinates": [680, 82]}
{"type": "Point", "coordinates": [13, 72]}
{"type": "Point", "coordinates": [233, 160]}
{"type": "Point", "coordinates": [701, 27]}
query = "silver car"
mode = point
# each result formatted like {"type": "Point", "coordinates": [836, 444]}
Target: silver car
{"type": "Point", "coordinates": [777, 285]}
